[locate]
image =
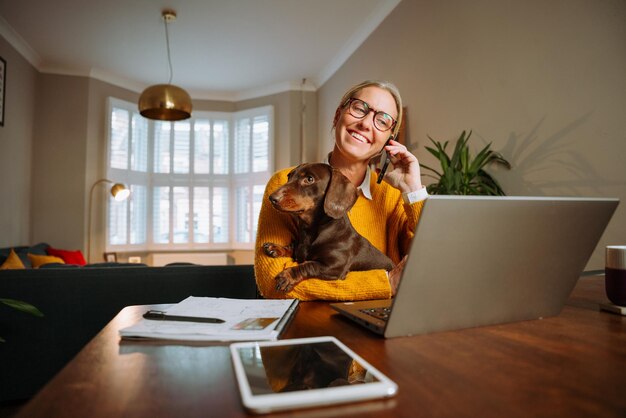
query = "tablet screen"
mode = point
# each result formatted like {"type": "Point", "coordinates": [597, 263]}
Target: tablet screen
{"type": "Point", "coordinates": [306, 372]}
{"type": "Point", "coordinates": [275, 369]}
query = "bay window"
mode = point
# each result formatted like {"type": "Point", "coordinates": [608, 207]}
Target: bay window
{"type": "Point", "coordinates": [195, 184]}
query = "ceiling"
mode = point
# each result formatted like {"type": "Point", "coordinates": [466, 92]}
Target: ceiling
{"type": "Point", "coordinates": [220, 49]}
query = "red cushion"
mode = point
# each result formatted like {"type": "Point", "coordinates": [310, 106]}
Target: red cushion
{"type": "Point", "coordinates": [70, 257]}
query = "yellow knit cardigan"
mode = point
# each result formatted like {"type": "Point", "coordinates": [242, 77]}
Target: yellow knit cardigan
{"type": "Point", "coordinates": [386, 221]}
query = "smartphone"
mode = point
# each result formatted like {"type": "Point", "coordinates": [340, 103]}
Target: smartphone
{"type": "Point", "coordinates": [384, 162]}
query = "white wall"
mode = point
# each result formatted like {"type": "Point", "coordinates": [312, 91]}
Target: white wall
{"type": "Point", "coordinates": [59, 161]}
{"type": "Point", "coordinates": [544, 80]}
{"type": "Point", "coordinates": [16, 142]}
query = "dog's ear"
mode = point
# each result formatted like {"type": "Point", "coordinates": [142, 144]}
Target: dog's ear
{"type": "Point", "coordinates": [293, 171]}
{"type": "Point", "coordinates": [340, 195]}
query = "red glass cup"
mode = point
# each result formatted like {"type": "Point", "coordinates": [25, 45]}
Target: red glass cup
{"type": "Point", "coordinates": [615, 274]}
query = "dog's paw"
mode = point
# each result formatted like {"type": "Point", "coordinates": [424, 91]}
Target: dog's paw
{"type": "Point", "coordinates": [284, 281]}
{"type": "Point", "coordinates": [271, 249]}
{"type": "Point", "coordinates": [275, 250]}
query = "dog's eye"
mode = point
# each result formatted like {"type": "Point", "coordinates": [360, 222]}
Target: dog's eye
{"type": "Point", "coordinates": [308, 180]}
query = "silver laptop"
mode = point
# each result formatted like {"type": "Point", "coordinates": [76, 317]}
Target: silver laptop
{"type": "Point", "coordinates": [487, 260]}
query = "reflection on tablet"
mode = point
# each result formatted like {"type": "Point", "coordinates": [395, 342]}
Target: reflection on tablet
{"type": "Point", "coordinates": [291, 368]}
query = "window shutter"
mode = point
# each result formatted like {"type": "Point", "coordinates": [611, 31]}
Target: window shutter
{"type": "Point", "coordinates": [202, 147]}
{"type": "Point", "coordinates": [139, 154]}
{"type": "Point", "coordinates": [162, 147]}
{"type": "Point", "coordinates": [260, 144]}
{"type": "Point", "coordinates": [181, 147]}
{"type": "Point", "coordinates": [243, 213]}
{"type": "Point", "coordinates": [138, 212]}
{"type": "Point", "coordinates": [220, 147]}
{"type": "Point", "coordinates": [118, 218]}
{"type": "Point", "coordinates": [220, 215]}
{"type": "Point", "coordinates": [257, 199]}
{"type": "Point", "coordinates": [242, 146]}
{"type": "Point", "coordinates": [161, 215]}
{"type": "Point", "coordinates": [180, 215]}
{"type": "Point", "coordinates": [201, 214]}
{"type": "Point", "coordinates": [118, 144]}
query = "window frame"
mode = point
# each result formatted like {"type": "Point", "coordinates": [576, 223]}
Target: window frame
{"type": "Point", "coordinates": [190, 180]}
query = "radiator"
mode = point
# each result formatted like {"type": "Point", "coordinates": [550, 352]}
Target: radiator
{"type": "Point", "coordinates": [206, 259]}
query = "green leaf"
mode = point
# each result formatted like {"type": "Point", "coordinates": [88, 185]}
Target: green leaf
{"type": "Point", "coordinates": [497, 190]}
{"type": "Point", "coordinates": [482, 158]}
{"type": "Point", "coordinates": [499, 159]}
{"type": "Point", "coordinates": [460, 145]}
{"type": "Point", "coordinates": [434, 152]}
{"type": "Point", "coordinates": [431, 169]}
{"type": "Point", "coordinates": [22, 306]}
{"type": "Point", "coordinates": [464, 161]}
{"type": "Point", "coordinates": [444, 161]}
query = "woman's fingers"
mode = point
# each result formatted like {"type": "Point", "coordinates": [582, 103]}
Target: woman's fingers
{"type": "Point", "coordinates": [405, 174]}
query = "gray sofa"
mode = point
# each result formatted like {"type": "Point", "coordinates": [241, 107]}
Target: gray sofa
{"type": "Point", "coordinates": [78, 302]}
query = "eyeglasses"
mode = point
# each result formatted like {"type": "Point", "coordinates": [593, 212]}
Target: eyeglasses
{"type": "Point", "coordinates": [359, 109]}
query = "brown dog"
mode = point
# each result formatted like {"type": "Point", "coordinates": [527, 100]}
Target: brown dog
{"type": "Point", "coordinates": [327, 245]}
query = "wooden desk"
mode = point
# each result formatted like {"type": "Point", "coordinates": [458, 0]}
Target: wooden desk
{"type": "Point", "coordinates": [572, 365]}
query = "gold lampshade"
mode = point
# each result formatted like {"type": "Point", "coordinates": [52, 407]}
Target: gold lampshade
{"type": "Point", "coordinates": [165, 102]}
{"type": "Point", "coordinates": [119, 192]}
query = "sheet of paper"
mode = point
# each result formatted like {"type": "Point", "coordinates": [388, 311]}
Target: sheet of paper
{"type": "Point", "coordinates": [232, 311]}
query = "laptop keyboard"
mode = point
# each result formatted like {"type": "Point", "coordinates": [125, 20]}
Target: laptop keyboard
{"type": "Point", "coordinates": [379, 313]}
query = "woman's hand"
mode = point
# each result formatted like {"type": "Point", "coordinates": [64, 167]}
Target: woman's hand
{"type": "Point", "coordinates": [405, 174]}
{"type": "Point", "coordinates": [395, 274]}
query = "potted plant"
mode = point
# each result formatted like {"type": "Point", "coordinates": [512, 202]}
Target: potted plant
{"type": "Point", "coordinates": [21, 306]}
{"type": "Point", "coordinates": [461, 174]}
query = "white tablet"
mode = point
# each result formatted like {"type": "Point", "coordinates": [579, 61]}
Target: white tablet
{"type": "Point", "coordinates": [305, 372]}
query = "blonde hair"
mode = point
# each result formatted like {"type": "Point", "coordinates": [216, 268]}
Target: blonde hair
{"type": "Point", "coordinates": [385, 85]}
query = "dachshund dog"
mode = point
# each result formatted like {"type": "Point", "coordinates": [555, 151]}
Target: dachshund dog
{"type": "Point", "coordinates": [327, 245]}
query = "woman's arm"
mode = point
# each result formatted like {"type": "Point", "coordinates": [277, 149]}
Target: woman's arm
{"type": "Point", "coordinates": [401, 225]}
{"type": "Point", "coordinates": [405, 177]}
{"type": "Point", "coordinates": [410, 218]}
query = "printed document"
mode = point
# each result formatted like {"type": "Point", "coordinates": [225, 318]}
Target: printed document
{"type": "Point", "coordinates": [244, 320]}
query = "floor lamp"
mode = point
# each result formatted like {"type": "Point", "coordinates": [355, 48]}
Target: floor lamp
{"type": "Point", "coordinates": [119, 193]}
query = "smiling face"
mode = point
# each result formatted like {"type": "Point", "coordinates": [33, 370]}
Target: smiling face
{"type": "Point", "coordinates": [358, 139]}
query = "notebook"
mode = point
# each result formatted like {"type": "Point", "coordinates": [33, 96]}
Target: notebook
{"type": "Point", "coordinates": [481, 260]}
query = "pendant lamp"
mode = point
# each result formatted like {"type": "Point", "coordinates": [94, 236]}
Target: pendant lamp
{"type": "Point", "coordinates": [165, 101]}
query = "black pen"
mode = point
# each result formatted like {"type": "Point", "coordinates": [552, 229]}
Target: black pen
{"type": "Point", "coordinates": [163, 316]}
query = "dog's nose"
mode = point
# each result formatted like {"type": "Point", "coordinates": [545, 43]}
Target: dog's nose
{"type": "Point", "coordinates": [273, 199]}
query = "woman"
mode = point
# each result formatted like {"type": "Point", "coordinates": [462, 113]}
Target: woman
{"type": "Point", "coordinates": [386, 214]}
